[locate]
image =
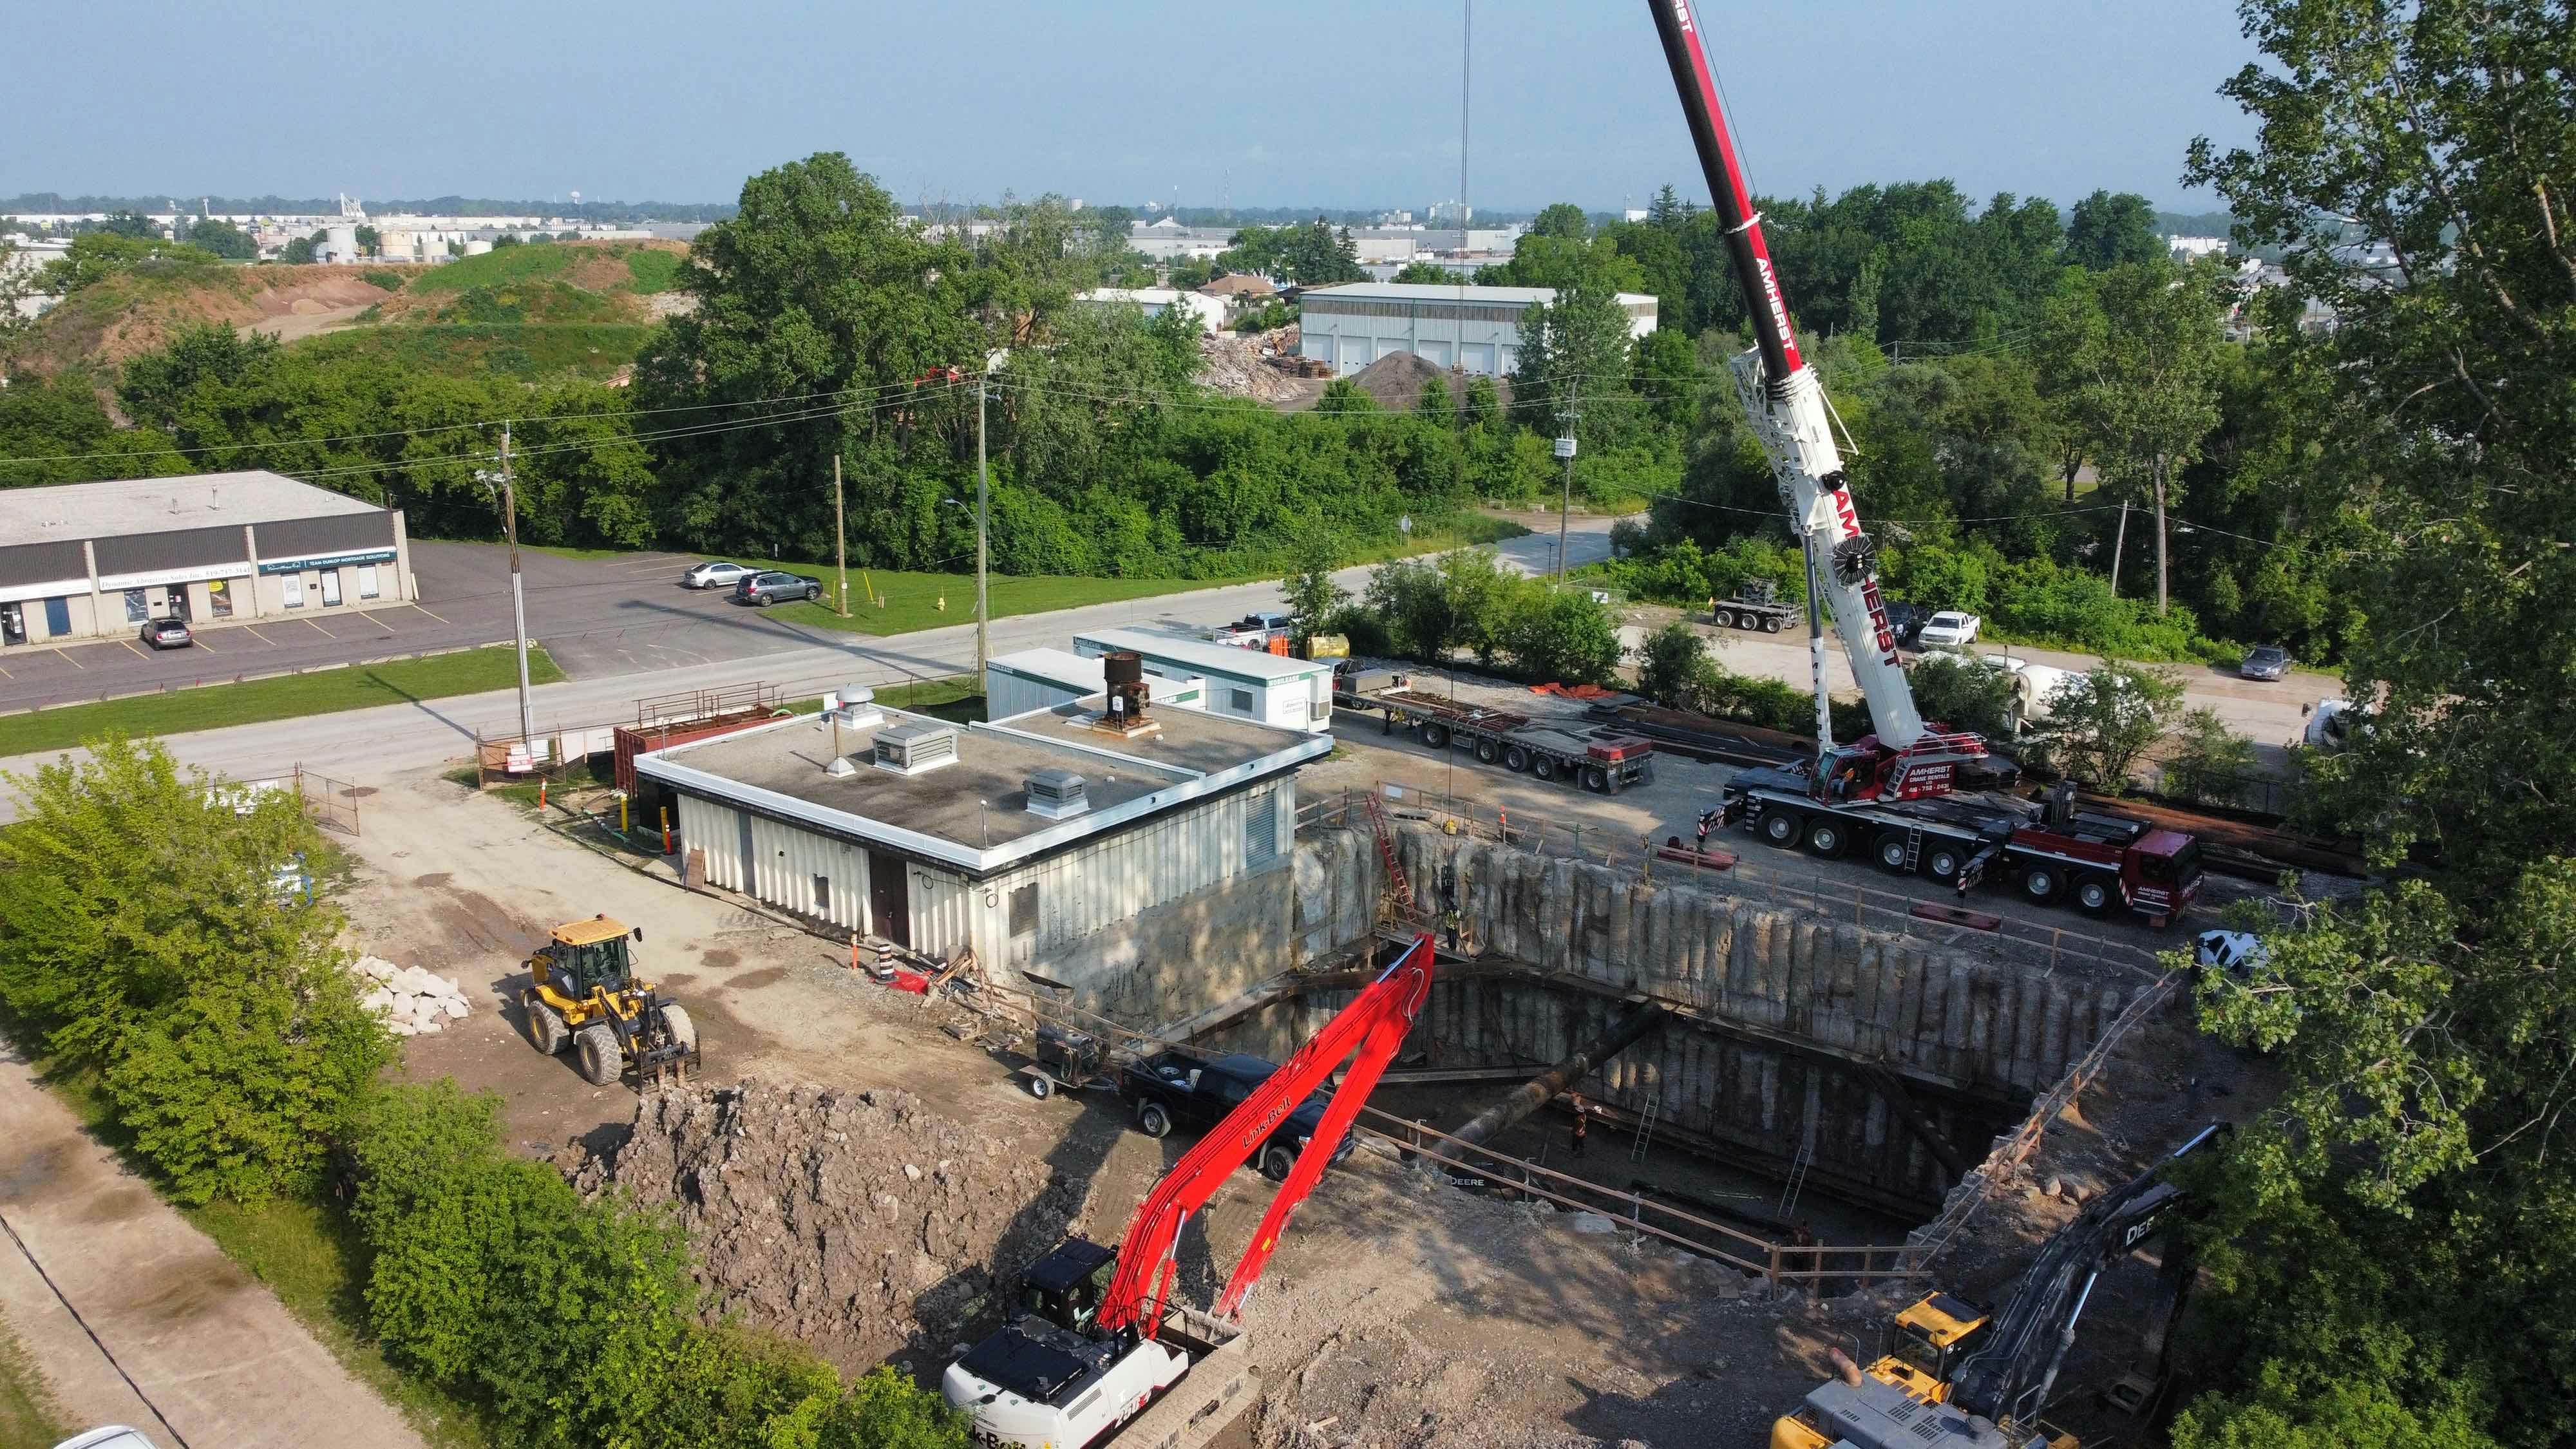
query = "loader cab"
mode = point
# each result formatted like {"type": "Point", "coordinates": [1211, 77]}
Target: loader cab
{"type": "Point", "coordinates": [585, 956]}
{"type": "Point", "coordinates": [1066, 1286]}
{"type": "Point", "coordinates": [1926, 1342]}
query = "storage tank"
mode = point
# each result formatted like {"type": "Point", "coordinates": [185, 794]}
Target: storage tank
{"type": "Point", "coordinates": [340, 244]}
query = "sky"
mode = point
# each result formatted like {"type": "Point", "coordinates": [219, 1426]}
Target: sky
{"type": "Point", "coordinates": [1323, 102]}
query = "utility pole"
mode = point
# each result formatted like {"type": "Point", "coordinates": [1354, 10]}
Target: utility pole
{"type": "Point", "coordinates": [2160, 538]}
{"type": "Point", "coordinates": [518, 596]}
{"type": "Point", "coordinates": [2119, 544]}
{"type": "Point", "coordinates": [1565, 450]}
{"type": "Point", "coordinates": [983, 511]}
{"type": "Point", "coordinates": [840, 535]}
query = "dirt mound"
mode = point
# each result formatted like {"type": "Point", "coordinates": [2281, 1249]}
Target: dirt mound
{"type": "Point", "coordinates": [855, 1221]}
{"type": "Point", "coordinates": [139, 312]}
{"type": "Point", "coordinates": [1397, 379]}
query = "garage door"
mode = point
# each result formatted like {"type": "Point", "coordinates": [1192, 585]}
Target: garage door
{"type": "Point", "coordinates": [1355, 354]}
{"type": "Point", "coordinates": [1479, 357]}
{"type": "Point", "coordinates": [1435, 353]}
{"type": "Point", "coordinates": [1390, 346]}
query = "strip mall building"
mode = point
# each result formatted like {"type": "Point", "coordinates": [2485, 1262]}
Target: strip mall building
{"type": "Point", "coordinates": [94, 560]}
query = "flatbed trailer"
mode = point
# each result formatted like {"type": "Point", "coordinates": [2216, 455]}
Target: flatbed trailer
{"type": "Point", "coordinates": [2098, 862]}
{"type": "Point", "coordinates": [1599, 758]}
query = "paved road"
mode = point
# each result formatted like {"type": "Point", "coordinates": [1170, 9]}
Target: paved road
{"type": "Point", "coordinates": [730, 646]}
{"type": "Point", "coordinates": [216, 1356]}
{"type": "Point", "coordinates": [598, 617]}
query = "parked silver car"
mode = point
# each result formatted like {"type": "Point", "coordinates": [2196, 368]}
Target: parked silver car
{"type": "Point", "coordinates": [768, 588]}
{"type": "Point", "coordinates": [716, 574]}
{"type": "Point", "coordinates": [2268, 661]}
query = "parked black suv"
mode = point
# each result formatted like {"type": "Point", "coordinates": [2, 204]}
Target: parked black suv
{"type": "Point", "coordinates": [769, 588]}
{"type": "Point", "coordinates": [1905, 621]}
{"type": "Point", "coordinates": [1196, 1092]}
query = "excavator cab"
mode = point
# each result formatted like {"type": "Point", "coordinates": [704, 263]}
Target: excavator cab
{"type": "Point", "coordinates": [1928, 1339]}
{"type": "Point", "coordinates": [1066, 1286]}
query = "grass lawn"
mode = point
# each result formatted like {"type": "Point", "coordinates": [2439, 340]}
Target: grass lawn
{"type": "Point", "coordinates": [29, 1418]}
{"type": "Point", "coordinates": [322, 691]}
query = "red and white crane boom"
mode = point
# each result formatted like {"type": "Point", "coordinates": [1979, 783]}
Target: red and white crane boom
{"type": "Point", "coordinates": [1787, 407]}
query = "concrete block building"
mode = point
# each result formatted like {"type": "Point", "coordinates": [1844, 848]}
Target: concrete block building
{"type": "Point", "coordinates": [1477, 328]}
{"type": "Point", "coordinates": [1143, 870]}
{"type": "Point", "coordinates": [92, 560]}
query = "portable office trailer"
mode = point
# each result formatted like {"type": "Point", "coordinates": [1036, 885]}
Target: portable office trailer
{"type": "Point", "coordinates": [1268, 689]}
{"type": "Point", "coordinates": [1044, 678]}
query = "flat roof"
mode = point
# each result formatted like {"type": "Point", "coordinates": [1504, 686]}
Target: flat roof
{"type": "Point", "coordinates": [1445, 292]}
{"type": "Point", "coordinates": [973, 815]}
{"type": "Point", "coordinates": [1054, 665]}
{"type": "Point", "coordinates": [1256, 665]}
{"type": "Point", "coordinates": [126, 506]}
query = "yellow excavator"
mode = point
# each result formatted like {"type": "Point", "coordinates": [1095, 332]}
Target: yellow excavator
{"type": "Point", "coordinates": [583, 992]}
{"type": "Point", "coordinates": [1954, 1376]}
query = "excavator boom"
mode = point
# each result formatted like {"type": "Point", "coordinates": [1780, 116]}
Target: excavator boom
{"type": "Point", "coordinates": [1373, 1026]}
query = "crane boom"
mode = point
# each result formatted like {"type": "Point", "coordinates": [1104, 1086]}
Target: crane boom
{"type": "Point", "coordinates": [1786, 404]}
{"type": "Point", "coordinates": [1373, 1026]}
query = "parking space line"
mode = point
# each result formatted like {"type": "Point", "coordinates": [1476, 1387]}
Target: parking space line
{"type": "Point", "coordinates": [425, 611]}
{"type": "Point", "coordinates": [318, 629]}
{"type": "Point", "coordinates": [377, 618]}
{"type": "Point", "coordinates": [5, 674]}
{"type": "Point", "coordinates": [253, 631]}
{"type": "Point", "coordinates": [76, 664]}
{"type": "Point", "coordinates": [199, 641]}
{"type": "Point", "coordinates": [130, 649]}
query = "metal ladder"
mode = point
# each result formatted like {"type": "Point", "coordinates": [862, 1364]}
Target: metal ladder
{"type": "Point", "coordinates": [1397, 884]}
{"type": "Point", "coordinates": [1798, 1171]}
{"type": "Point", "coordinates": [1913, 848]}
{"type": "Point", "coordinates": [1646, 1127]}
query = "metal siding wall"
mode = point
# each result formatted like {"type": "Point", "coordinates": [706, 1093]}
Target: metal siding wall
{"type": "Point", "coordinates": [942, 912]}
{"type": "Point", "coordinates": [717, 830]}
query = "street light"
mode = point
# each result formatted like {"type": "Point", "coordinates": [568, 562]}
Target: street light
{"type": "Point", "coordinates": [508, 499]}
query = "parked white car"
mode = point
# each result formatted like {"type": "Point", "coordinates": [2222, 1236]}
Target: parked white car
{"type": "Point", "coordinates": [1949, 629]}
{"type": "Point", "coordinates": [2238, 953]}
{"type": "Point", "coordinates": [112, 1436]}
{"type": "Point", "coordinates": [716, 574]}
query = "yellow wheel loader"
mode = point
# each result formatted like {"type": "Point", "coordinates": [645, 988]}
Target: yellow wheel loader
{"type": "Point", "coordinates": [583, 993]}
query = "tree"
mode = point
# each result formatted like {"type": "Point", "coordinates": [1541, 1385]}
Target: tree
{"type": "Point", "coordinates": [141, 937]}
{"type": "Point", "coordinates": [1310, 591]}
{"type": "Point", "coordinates": [1669, 664]}
{"type": "Point", "coordinates": [369, 240]}
{"type": "Point", "coordinates": [1574, 368]}
{"type": "Point", "coordinates": [95, 256]}
{"type": "Point", "coordinates": [1413, 598]}
{"type": "Point", "coordinates": [1561, 634]}
{"type": "Point", "coordinates": [131, 225]}
{"type": "Point", "coordinates": [1425, 274]}
{"type": "Point", "coordinates": [506, 239]}
{"type": "Point", "coordinates": [2102, 722]}
{"type": "Point", "coordinates": [1964, 694]}
{"type": "Point", "coordinates": [223, 239]}
{"type": "Point", "coordinates": [2106, 231]}
{"type": "Point", "coordinates": [298, 252]}
{"type": "Point", "coordinates": [1563, 220]}
{"type": "Point", "coordinates": [2210, 762]}
{"type": "Point", "coordinates": [2142, 345]}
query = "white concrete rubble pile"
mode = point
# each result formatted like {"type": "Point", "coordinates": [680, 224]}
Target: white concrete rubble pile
{"type": "Point", "coordinates": [412, 1002]}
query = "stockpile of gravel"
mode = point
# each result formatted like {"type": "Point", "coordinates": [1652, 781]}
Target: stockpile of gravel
{"type": "Point", "coordinates": [856, 1221]}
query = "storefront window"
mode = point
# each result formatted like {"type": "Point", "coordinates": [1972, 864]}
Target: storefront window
{"type": "Point", "coordinates": [219, 598]}
{"type": "Point", "coordinates": [138, 607]}
{"type": "Point", "coordinates": [294, 590]}
{"type": "Point", "coordinates": [367, 581]}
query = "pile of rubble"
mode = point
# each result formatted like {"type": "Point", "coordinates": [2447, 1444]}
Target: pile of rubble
{"type": "Point", "coordinates": [857, 1222]}
{"type": "Point", "coordinates": [412, 1002]}
{"type": "Point", "coordinates": [1258, 365]}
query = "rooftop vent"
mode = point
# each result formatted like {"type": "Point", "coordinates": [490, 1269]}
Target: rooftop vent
{"type": "Point", "coordinates": [916, 746]}
{"type": "Point", "coordinates": [855, 706]}
{"type": "Point", "coordinates": [1057, 794]}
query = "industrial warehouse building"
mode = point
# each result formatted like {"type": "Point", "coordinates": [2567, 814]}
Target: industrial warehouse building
{"type": "Point", "coordinates": [85, 560]}
{"type": "Point", "coordinates": [1354, 325]}
{"type": "Point", "coordinates": [1135, 868]}
{"type": "Point", "coordinates": [1270, 689]}
{"type": "Point", "coordinates": [1044, 678]}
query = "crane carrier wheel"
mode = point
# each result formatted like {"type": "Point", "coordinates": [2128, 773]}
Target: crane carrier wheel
{"type": "Point", "coordinates": [1782, 827]}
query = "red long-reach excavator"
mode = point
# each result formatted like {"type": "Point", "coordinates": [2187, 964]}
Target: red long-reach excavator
{"type": "Point", "coordinates": [1090, 1351]}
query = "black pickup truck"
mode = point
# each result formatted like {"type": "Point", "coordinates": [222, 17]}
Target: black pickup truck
{"type": "Point", "coordinates": [1197, 1092]}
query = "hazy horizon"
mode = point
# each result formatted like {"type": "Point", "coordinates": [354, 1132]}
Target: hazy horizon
{"type": "Point", "coordinates": [1155, 102]}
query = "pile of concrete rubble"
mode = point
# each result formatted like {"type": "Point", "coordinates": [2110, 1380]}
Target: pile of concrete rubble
{"type": "Point", "coordinates": [856, 1221]}
{"type": "Point", "coordinates": [412, 1002]}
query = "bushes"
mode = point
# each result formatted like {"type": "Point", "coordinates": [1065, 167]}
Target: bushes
{"type": "Point", "coordinates": [140, 937]}
{"type": "Point", "coordinates": [1677, 671]}
{"type": "Point", "coordinates": [573, 1319]}
{"type": "Point", "coordinates": [1421, 610]}
{"type": "Point", "coordinates": [2210, 762]}
{"type": "Point", "coordinates": [2102, 722]}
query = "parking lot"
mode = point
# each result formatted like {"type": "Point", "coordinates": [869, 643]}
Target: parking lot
{"type": "Point", "coordinates": [595, 616]}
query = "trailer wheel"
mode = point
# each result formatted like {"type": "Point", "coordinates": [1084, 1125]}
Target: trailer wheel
{"type": "Point", "coordinates": [2041, 883]}
{"type": "Point", "coordinates": [1722, 619]}
{"type": "Point", "coordinates": [1040, 1087]}
{"type": "Point", "coordinates": [1943, 861]}
{"type": "Point", "coordinates": [1543, 767]}
{"type": "Point", "coordinates": [1436, 736]}
{"type": "Point", "coordinates": [1488, 751]}
{"type": "Point", "coordinates": [1890, 851]}
{"type": "Point", "coordinates": [1516, 759]}
{"type": "Point", "coordinates": [1771, 624]}
{"type": "Point", "coordinates": [1825, 836]}
{"type": "Point", "coordinates": [2096, 894]}
{"type": "Point", "coordinates": [1596, 779]}
{"type": "Point", "coordinates": [1782, 827]}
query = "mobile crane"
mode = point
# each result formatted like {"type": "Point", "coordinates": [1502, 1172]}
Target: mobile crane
{"type": "Point", "coordinates": [1955, 1377]}
{"type": "Point", "coordinates": [1885, 792]}
{"type": "Point", "coordinates": [1089, 1352]}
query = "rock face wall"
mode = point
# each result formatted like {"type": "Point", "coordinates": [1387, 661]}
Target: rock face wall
{"type": "Point", "coordinates": [1976, 1036]}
